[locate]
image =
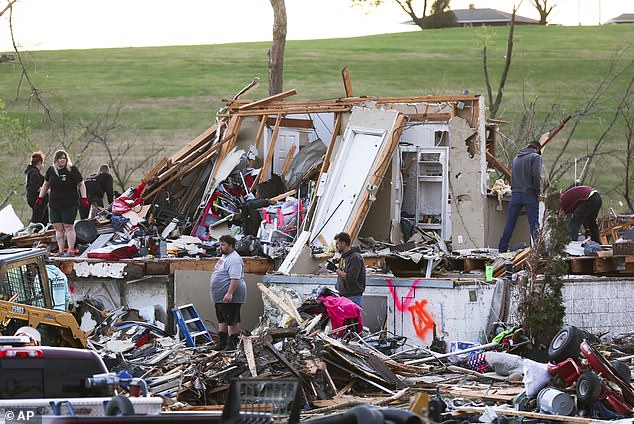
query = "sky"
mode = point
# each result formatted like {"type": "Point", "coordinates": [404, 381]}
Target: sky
{"type": "Point", "coordinates": [80, 24]}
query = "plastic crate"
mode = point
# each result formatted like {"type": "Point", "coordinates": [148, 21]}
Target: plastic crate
{"type": "Point", "coordinates": [262, 401]}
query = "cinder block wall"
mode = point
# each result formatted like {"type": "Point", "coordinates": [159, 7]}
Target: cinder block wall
{"type": "Point", "coordinates": [600, 304]}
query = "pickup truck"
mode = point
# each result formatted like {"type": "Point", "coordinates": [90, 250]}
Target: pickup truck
{"type": "Point", "coordinates": [56, 381]}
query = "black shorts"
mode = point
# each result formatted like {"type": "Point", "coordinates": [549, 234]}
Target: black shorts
{"type": "Point", "coordinates": [228, 313]}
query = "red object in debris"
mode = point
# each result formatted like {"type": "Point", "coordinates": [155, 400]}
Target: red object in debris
{"type": "Point", "coordinates": [615, 393]}
{"type": "Point", "coordinates": [341, 308]}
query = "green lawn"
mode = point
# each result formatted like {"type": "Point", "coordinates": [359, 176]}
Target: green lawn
{"type": "Point", "coordinates": [169, 94]}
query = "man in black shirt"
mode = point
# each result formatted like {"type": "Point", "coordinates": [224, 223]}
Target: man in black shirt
{"type": "Point", "coordinates": [351, 270]}
{"type": "Point", "coordinates": [98, 184]}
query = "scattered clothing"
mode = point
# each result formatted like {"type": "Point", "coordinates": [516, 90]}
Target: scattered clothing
{"type": "Point", "coordinates": [340, 309]}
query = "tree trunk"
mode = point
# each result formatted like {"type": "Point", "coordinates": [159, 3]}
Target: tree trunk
{"type": "Point", "coordinates": [276, 54]}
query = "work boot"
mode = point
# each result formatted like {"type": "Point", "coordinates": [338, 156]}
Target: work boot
{"type": "Point", "coordinates": [232, 344]}
{"type": "Point", "coordinates": [222, 341]}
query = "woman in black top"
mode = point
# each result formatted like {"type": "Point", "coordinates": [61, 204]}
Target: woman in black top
{"type": "Point", "coordinates": [33, 182]}
{"type": "Point", "coordinates": [65, 181]}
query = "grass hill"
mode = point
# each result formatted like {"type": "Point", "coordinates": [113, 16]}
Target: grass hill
{"type": "Point", "coordinates": [168, 95]}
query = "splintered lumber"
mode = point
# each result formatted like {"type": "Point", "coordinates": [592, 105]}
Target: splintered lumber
{"type": "Point", "coordinates": [288, 159]}
{"type": "Point", "coordinates": [514, 413]}
{"type": "Point", "coordinates": [195, 144]}
{"type": "Point", "coordinates": [269, 99]}
{"type": "Point", "coordinates": [154, 171]}
{"type": "Point", "coordinates": [268, 162]}
{"type": "Point", "coordinates": [258, 135]}
{"type": "Point", "coordinates": [347, 84]}
{"type": "Point", "coordinates": [282, 306]}
{"type": "Point", "coordinates": [282, 196]}
{"type": "Point", "coordinates": [291, 122]}
{"type": "Point", "coordinates": [498, 165]}
{"type": "Point", "coordinates": [247, 346]}
{"type": "Point", "coordinates": [282, 358]}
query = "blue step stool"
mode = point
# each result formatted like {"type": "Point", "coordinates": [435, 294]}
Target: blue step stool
{"type": "Point", "coordinates": [190, 325]}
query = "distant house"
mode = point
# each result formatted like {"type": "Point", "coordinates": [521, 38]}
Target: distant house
{"type": "Point", "coordinates": [626, 18]}
{"type": "Point", "coordinates": [490, 17]}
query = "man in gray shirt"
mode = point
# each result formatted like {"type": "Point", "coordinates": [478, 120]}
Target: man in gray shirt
{"type": "Point", "coordinates": [228, 293]}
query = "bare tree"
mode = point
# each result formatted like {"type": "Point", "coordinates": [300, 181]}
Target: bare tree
{"type": "Point", "coordinates": [626, 158]}
{"type": "Point", "coordinates": [100, 131]}
{"type": "Point", "coordinates": [494, 105]}
{"type": "Point", "coordinates": [276, 54]}
{"type": "Point", "coordinates": [35, 92]}
{"type": "Point", "coordinates": [417, 14]}
{"type": "Point", "coordinates": [544, 9]}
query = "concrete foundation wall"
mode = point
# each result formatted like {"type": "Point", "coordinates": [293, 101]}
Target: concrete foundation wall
{"type": "Point", "coordinates": [600, 304]}
{"type": "Point", "coordinates": [193, 287]}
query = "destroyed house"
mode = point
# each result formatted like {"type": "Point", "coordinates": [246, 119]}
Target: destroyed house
{"type": "Point", "coordinates": [292, 174]}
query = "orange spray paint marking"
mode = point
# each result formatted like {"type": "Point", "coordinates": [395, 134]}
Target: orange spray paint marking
{"type": "Point", "coordinates": [422, 321]}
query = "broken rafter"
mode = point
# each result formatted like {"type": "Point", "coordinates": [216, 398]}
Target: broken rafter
{"type": "Point", "coordinates": [268, 162]}
{"type": "Point", "coordinates": [498, 165]}
{"type": "Point", "coordinates": [269, 99]}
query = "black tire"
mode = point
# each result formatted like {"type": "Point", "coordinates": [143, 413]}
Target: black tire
{"type": "Point", "coordinates": [588, 388]}
{"type": "Point", "coordinates": [119, 406]}
{"type": "Point", "coordinates": [622, 370]}
{"type": "Point", "coordinates": [565, 344]}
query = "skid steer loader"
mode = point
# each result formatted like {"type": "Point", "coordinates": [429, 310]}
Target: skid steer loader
{"type": "Point", "coordinates": [26, 298]}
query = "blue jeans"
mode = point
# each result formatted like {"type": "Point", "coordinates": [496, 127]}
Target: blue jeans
{"type": "Point", "coordinates": [519, 201]}
{"type": "Point", "coordinates": [358, 299]}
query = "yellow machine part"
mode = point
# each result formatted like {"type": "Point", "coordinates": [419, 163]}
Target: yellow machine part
{"type": "Point", "coordinates": [35, 316]}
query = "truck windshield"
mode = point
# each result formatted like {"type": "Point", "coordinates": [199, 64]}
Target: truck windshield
{"type": "Point", "coordinates": [32, 378]}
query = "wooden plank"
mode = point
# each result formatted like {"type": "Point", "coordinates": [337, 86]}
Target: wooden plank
{"type": "Point", "coordinates": [282, 358]}
{"type": "Point", "coordinates": [289, 111]}
{"type": "Point", "coordinates": [258, 135]}
{"type": "Point", "coordinates": [422, 117]}
{"type": "Point", "coordinates": [583, 265]}
{"type": "Point", "coordinates": [498, 165]}
{"type": "Point", "coordinates": [194, 144]}
{"type": "Point", "coordinates": [268, 162]}
{"type": "Point", "coordinates": [347, 84]}
{"type": "Point", "coordinates": [282, 196]}
{"type": "Point", "coordinates": [247, 346]}
{"type": "Point", "coordinates": [269, 99]}
{"type": "Point", "coordinates": [292, 123]}
{"type": "Point", "coordinates": [514, 413]}
{"type": "Point", "coordinates": [289, 159]}
{"type": "Point", "coordinates": [252, 265]}
{"type": "Point", "coordinates": [154, 171]}
{"type": "Point", "coordinates": [604, 265]}
{"type": "Point", "coordinates": [278, 302]}
{"type": "Point", "coordinates": [336, 129]}
{"type": "Point", "coordinates": [184, 170]}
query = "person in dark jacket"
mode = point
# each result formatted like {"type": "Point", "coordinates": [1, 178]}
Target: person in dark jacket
{"type": "Point", "coordinates": [526, 176]}
{"type": "Point", "coordinates": [33, 182]}
{"type": "Point", "coordinates": [583, 203]}
{"type": "Point", "coordinates": [351, 270]}
{"type": "Point", "coordinates": [97, 184]}
{"type": "Point", "coordinates": [66, 185]}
